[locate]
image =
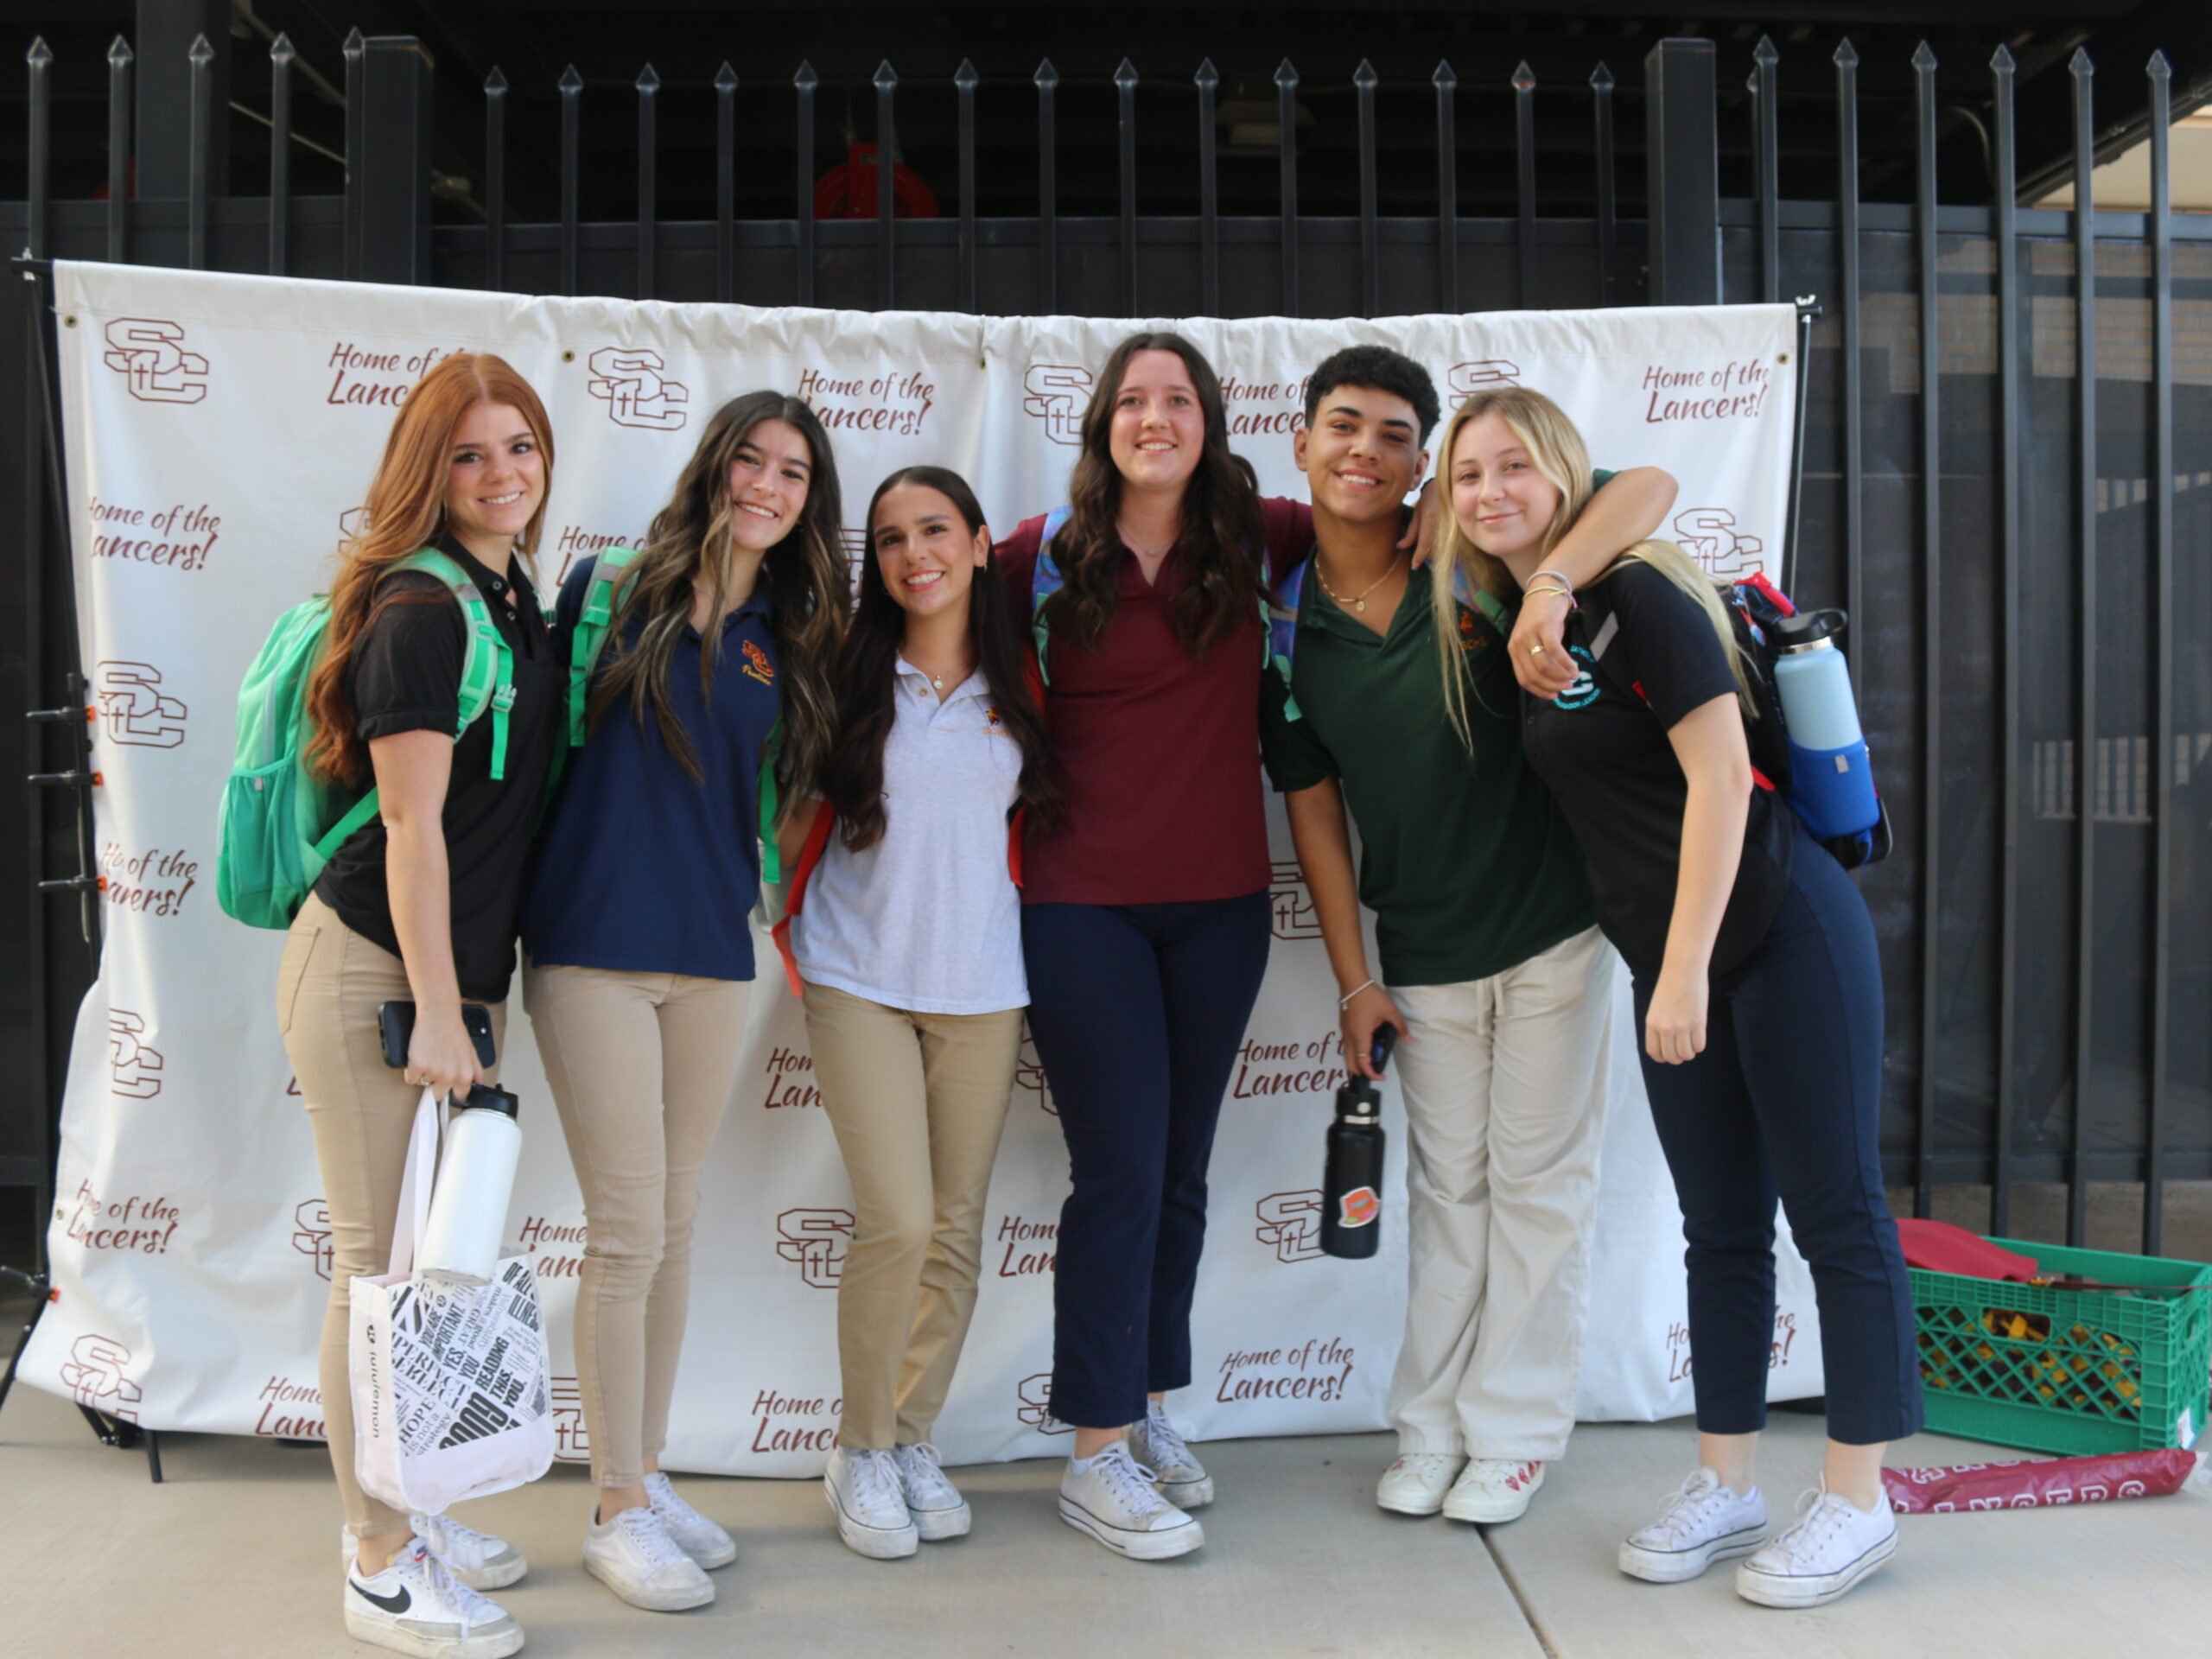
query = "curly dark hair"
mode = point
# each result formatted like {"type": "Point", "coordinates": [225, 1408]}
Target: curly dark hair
{"type": "Point", "coordinates": [852, 781]}
{"type": "Point", "coordinates": [1220, 535]}
{"type": "Point", "coordinates": [1380, 369]}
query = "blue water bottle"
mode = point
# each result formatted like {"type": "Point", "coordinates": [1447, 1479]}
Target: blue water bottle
{"type": "Point", "coordinates": [1831, 785]}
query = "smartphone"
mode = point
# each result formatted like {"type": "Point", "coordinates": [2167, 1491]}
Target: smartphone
{"type": "Point", "coordinates": [1385, 1039]}
{"type": "Point", "coordinates": [396, 1021]}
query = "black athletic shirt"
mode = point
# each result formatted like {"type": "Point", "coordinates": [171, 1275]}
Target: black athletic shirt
{"type": "Point", "coordinates": [1604, 750]}
{"type": "Point", "coordinates": [405, 677]}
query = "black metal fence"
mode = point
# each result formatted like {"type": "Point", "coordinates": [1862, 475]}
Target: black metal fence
{"type": "Point", "coordinates": [2007, 480]}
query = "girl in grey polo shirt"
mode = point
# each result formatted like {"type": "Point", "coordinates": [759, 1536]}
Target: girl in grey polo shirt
{"type": "Point", "coordinates": [904, 938]}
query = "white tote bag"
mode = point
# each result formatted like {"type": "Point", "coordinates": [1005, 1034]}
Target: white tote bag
{"type": "Point", "coordinates": [450, 1389]}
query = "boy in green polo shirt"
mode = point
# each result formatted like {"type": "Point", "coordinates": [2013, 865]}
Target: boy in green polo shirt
{"type": "Point", "coordinates": [1497, 978]}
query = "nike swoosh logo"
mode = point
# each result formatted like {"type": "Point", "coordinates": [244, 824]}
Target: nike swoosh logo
{"type": "Point", "coordinates": [398, 1602]}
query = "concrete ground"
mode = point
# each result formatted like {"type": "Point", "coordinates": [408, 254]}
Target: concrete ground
{"type": "Point", "coordinates": [236, 1555]}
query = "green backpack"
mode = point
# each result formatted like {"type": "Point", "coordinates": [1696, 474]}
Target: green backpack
{"type": "Point", "coordinates": [610, 576]}
{"type": "Point", "coordinates": [279, 825]}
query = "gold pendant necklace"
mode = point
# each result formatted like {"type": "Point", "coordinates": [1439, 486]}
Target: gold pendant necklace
{"type": "Point", "coordinates": [1359, 601]}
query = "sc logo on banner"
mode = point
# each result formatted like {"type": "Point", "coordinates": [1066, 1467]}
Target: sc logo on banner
{"type": "Point", "coordinates": [1291, 903]}
{"type": "Point", "coordinates": [95, 1377]}
{"type": "Point", "coordinates": [134, 709]}
{"type": "Point", "coordinates": [311, 1234]}
{"type": "Point", "coordinates": [629, 382]}
{"type": "Point", "coordinates": [149, 353]}
{"type": "Point", "coordinates": [1033, 1405]}
{"type": "Point", "coordinates": [1029, 1074]}
{"type": "Point", "coordinates": [1709, 536]}
{"type": "Point", "coordinates": [134, 1070]}
{"type": "Point", "coordinates": [817, 1240]}
{"type": "Point", "coordinates": [1056, 393]}
{"type": "Point", "coordinates": [1467, 379]}
{"type": "Point", "coordinates": [1290, 1224]}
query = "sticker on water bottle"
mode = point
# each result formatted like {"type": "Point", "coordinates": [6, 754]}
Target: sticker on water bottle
{"type": "Point", "coordinates": [1358, 1207]}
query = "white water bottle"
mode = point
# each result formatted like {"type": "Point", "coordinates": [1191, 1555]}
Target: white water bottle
{"type": "Point", "coordinates": [468, 1203]}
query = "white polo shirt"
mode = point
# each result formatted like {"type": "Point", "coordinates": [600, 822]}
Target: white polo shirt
{"type": "Point", "coordinates": [928, 918]}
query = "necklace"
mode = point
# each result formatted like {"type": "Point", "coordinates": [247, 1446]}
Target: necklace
{"type": "Point", "coordinates": [1359, 601]}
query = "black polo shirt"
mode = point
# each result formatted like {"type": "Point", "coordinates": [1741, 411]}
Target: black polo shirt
{"type": "Point", "coordinates": [405, 677]}
{"type": "Point", "coordinates": [1603, 749]}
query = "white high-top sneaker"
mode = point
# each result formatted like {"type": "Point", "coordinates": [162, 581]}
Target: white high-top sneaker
{"type": "Point", "coordinates": [938, 1511]}
{"type": "Point", "coordinates": [1158, 1445]}
{"type": "Point", "coordinates": [1112, 1498]}
{"type": "Point", "coordinates": [477, 1559]}
{"type": "Point", "coordinates": [869, 1499]}
{"type": "Point", "coordinates": [696, 1536]}
{"type": "Point", "coordinates": [631, 1554]}
{"type": "Point", "coordinates": [1702, 1523]}
{"type": "Point", "coordinates": [416, 1605]}
{"type": "Point", "coordinates": [1831, 1545]}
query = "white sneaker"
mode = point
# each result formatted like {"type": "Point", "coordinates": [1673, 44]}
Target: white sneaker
{"type": "Point", "coordinates": [1831, 1545]}
{"type": "Point", "coordinates": [1416, 1483]}
{"type": "Point", "coordinates": [1157, 1444]}
{"type": "Point", "coordinates": [632, 1555]}
{"type": "Point", "coordinates": [870, 1501]}
{"type": "Point", "coordinates": [1703, 1522]}
{"type": "Point", "coordinates": [417, 1606]}
{"type": "Point", "coordinates": [477, 1559]}
{"type": "Point", "coordinates": [1113, 1498]}
{"type": "Point", "coordinates": [696, 1536]}
{"type": "Point", "coordinates": [938, 1511]}
{"type": "Point", "coordinates": [1493, 1490]}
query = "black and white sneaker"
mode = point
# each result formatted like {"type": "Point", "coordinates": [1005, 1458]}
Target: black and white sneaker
{"type": "Point", "coordinates": [416, 1605]}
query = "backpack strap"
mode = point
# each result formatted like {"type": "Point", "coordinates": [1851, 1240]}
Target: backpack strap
{"type": "Point", "coordinates": [603, 594]}
{"type": "Point", "coordinates": [817, 838]}
{"type": "Point", "coordinates": [772, 753]}
{"type": "Point", "coordinates": [1046, 579]}
{"type": "Point", "coordinates": [486, 661]}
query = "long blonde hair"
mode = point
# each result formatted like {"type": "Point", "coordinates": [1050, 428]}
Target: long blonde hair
{"type": "Point", "coordinates": [1563, 460]}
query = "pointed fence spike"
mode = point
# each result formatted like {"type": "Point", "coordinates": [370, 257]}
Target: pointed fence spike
{"type": "Point", "coordinates": [1364, 77]}
{"type": "Point", "coordinates": [201, 52]}
{"type": "Point", "coordinates": [352, 45]}
{"type": "Point", "coordinates": [280, 50]}
{"type": "Point", "coordinates": [2079, 64]}
{"type": "Point", "coordinates": [725, 77]}
{"type": "Point", "coordinates": [40, 55]}
{"type": "Point", "coordinates": [1286, 73]}
{"type": "Point", "coordinates": [2158, 68]}
{"type": "Point", "coordinates": [886, 76]}
{"type": "Point", "coordinates": [806, 80]}
{"type": "Point", "coordinates": [1524, 77]}
{"type": "Point", "coordinates": [570, 81]}
{"type": "Point", "coordinates": [1126, 75]}
{"type": "Point", "coordinates": [119, 52]}
{"type": "Point", "coordinates": [1047, 75]}
{"type": "Point", "coordinates": [1207, 75]}
{"type": "Point", "coordinates": [1847, 55]}
{"type": "Point", "coordinates": [648, 79]}
{"type": "Point", "coordinates": [1924, 56]}
{"type": "Point", "coordinates": [1764, 52]}
{"type": "Point", "coordinates": [2001, 61]}
{"type": "Point", "coordinates": [965, 77]}
{"type": "Point", "coordinates": [1601, 77]}
{"type": "Point", "coordinates": [497, 80]}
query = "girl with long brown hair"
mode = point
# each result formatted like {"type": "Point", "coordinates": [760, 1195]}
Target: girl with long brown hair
{"type": "Point", "coordinates": [906, 942]}
{"type": "Point", "coordinates": [419, 904]}
{"type": "Point", "coordinates": [723, 630]}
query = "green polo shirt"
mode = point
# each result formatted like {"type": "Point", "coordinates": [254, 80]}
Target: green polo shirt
{"type": "Point", "coordinates": [1465, 858]}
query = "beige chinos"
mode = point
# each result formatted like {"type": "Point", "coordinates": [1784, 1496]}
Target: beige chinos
{"type": "Point", "coordinates": [328, 989]}
{"type": "Point", "coordinates": [918, 1101]}
{"type": "Point", "coordinates": [642, 1067]}
{"type": "Point", "coordinates": [1504, 1082]}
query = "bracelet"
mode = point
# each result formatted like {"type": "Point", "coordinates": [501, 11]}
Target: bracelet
{"type": "Point", "coordinates": [1566, 593]}
{"type": "Point", "coordinates": [1344, 1002]}
{"type": "Point", "coordinates": [1538, 576]}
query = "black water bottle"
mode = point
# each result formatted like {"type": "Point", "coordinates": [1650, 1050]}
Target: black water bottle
{"type": "Point", "coordinates": [1351, 1187]}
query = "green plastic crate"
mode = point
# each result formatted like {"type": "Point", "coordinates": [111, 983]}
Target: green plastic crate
{"type": "Point", "coordinates": [2071, 1371]}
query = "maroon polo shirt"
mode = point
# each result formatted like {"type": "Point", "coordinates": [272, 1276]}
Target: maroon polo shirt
{"type": "Point", "coordinates": [1159, 752]}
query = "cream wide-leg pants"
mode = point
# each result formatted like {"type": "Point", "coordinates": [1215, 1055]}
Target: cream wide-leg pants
{"type": "Point", "coordinates": [1504, 1082]}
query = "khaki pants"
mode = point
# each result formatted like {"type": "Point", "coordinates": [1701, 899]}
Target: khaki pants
{"type": "Point", "coordinates": [328, 989]}
{"type": "Point", "coordinates": [918, 1101]}
{"type": "Point", "coordinates": [1504, 1084]}
{"type": "Point", "coordinates": [642, 1067]}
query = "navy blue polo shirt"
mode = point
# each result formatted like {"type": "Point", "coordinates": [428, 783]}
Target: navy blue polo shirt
{"type": "Point", "coordinates": [639, 869]}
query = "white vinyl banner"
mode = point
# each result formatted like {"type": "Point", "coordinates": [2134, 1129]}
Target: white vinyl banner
{"type": "Point", "coordinates": [221, 431]}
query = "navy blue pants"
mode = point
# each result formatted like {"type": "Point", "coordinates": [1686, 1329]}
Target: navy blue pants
{"type": "Point", "coordinates": [1785, 1100]}
{"type": "Point", "coordinates": [1137, 1012]}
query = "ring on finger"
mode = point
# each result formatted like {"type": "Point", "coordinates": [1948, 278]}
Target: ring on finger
{"type": "Point", "coordinates": [1535, 651]}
